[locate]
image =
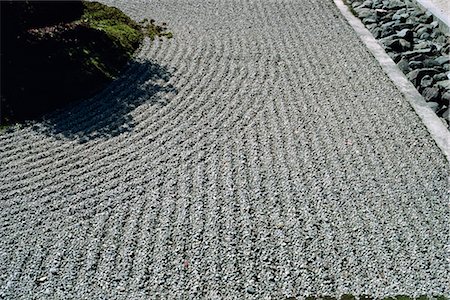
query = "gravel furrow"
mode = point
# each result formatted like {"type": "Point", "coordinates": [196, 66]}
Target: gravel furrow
{"type": "Point", "coordinates": [262, 153]}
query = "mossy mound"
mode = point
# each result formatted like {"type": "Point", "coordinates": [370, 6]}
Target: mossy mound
{"type": "Point", "coordinates": [57, 52]}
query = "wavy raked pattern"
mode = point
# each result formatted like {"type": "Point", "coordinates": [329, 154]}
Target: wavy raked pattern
{"type": "Point", "coordinates": [269, 157]}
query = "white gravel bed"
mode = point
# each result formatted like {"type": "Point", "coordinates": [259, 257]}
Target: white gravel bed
{"type": "Point", "coordinates": [260, 154]}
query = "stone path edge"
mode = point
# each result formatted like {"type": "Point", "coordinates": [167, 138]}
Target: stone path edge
{"type": "Point", "coordinates": [435, 127]}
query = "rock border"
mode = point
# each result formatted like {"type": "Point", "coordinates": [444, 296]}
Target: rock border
{"type": "Point", "coordinates": [415, 42]}
{"type": "Point", "coordinates": [435, 125]}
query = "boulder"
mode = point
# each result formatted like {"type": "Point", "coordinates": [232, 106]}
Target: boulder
{"type": "Point", "coordinates": [446, 97]}
{"type": "Point", "coordinates": [399, 45]}
{"type": "Point", "coordinates": [414, 64]}
{"type": "Point", "coordinates": [426, 81]}
{"type": "Point", "coordinates": [442, 60]}
{"type": "Point", "coordinates": [394, 4]}
{"type": "Point", "coordinates": [440, 77]}
{"type": "Point", "coordinates": [403, 65]}
{"type": "Point", "coordinates": [431, 93]}
{"type": "Point", "coordinates": [415, 76]}
{"type": "Point", "coordinates": [444, 84]}
{"type": "Point", "coordinates": [406, 34]}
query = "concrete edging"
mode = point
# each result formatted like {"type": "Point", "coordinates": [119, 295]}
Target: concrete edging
{"type": "Point", "coordinates": [439, 14]}
{"type": "Point", "coordinates": [435, 126]}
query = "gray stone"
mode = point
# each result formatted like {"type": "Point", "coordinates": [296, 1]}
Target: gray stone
{"type": "Point", "coordinates": [415, 64]}
{"type": "Point", "coordinates": [400, 17]}
{"type": "Point", "coordinates": [395, 4]}
{"type": "Point", "coordinates": [251, 290]}
{"type": "Point", "coordinates": [433, 105]}
{"type": "Point", "coordinates": [444, 84]}
{"type": "Point", "coordinates": [425, 36]}
{"type": "Point", "coordinates": [446, 97]}
{"type": "Point", "coordinates": [399, 45]}
{"type": "Point", "coordinates": [430, 93]}
{"type": "Point", "coordinates": [417, 54]}
{"type": "Point", "coordinates": [422, 30]}
{"type": "Point", "coordinates": [446, 114]}
{"type": "Point", "coordinates": [426, 81]}
{"type": "Point", "coordinates": [404, 66]}
{"type": "Point", "coordinates": [434, 24]}
{"type": "Point", "coordinates": [427, 18]}
{"type": "Point", "coordinates": [364, 12]}
{"type": "Point", "coordinates": [387, 31]}
{"type": "Point", "coordinates": [416, 75]}
{"type": "Point", "coordinates": [430, 63]}
{"type": "Point", "coordinates": [441, 39]}
{"type": "Point", "coordinates": [442, 60]}
{"type": "Point", "coordinates": [406, 34]}
{"type": "Point", "coordinates": [421, 45]}
{"type": "Point", "coordinates": [369, 20]}
{"type": "Point", "coordinates": [381, 12]}
{"type": "Point", "coordinates": [440, 77]}
{"type": "Point", "coordinates": [376, 32]}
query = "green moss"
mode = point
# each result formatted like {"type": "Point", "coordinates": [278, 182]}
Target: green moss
{"type": "Point", "coordinates": [119, 27]}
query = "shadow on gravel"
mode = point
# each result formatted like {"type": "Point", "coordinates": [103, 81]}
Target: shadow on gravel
{"type": "Point", "coordinates": [108, 113]}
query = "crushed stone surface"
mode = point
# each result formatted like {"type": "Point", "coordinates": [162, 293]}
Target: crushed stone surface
{"type": "Point", "coordinates": [260, 154]}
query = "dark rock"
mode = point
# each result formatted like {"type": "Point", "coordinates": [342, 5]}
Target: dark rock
{"type": "Point", "coordinates": [389, 24]}
{"type": "Point", "coordinates": [401, 26]}
{"type": "Point", "coordinates": [419, 57]}
{"type": "Point", "coordinates": [395, 4]}
{"type": "Point", "coordinates": [425, 36]}
{"type": "Point", "coordinates": [434, 24]}
{"type": "Point", "coordinates": [416, 53]}
{"type": "Point", "coordinates": [399, 45]}
{"type": "Point", "coordinates": [426, 81]}
{"type": "Point", "coordinates": [381, 12]}
{"type": "Point", "coordinates": [431, 93]}
{"type": "Point", "coordinates": [446, 50]}
{"type": "Point", "coordinates": [387, 17]}
{"type": "Point", "coordinates": [427, 18]}
{"type": "Point", "coordinates": [444, 84]}
{"type": "Point", "coordinates": [415, 76]}
{"type": "Point", "coordinates": [395, 56]}
{"type": "Point", "coordinates": [406, 34]}
{"type": "Point", "coordinates": [421, 45]}
{"type": "Point", "coordinates": [446, 97]}
{"type": "Point", "coordinates": [430, 63]}
{"type": "Point", "coordinates": [446, 114]}
{"type": "Point", "coordinates": [364, 12]}
{"type": "Point", "coordinates": [404, 66]}
{"type": "Point", "coordinates": [371, 26]}
{"type": "Point", "coordinates": [400, 17]}
{"type": "Point", "coordinates": [440, 77]}
{"type": "Point", "coordinates": [367, 4]}
{"type": "Point", "coordinates": [369, 20]}
{"type": "Point", "coordinates": [433, 105]}
{"type": "Point", "coordinates": [422, 30]}
{"type": "Point", "coordinates": [442, 60]}
{"type": "Point", "coordinates": [415, 64]}
{"type": "Point", "coordinates": [442, 110]}
{"type": "Point", "coordinates": [376, 32]}
{"type": "Point", "coordinates": [442, 39]}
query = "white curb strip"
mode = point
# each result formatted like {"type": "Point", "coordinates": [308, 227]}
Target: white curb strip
{"type": "Point", "coordinates": [434, 125]}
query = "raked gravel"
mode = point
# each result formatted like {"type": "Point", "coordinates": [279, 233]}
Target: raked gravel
{"type": "Point", "coordinates": [260, 154]}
